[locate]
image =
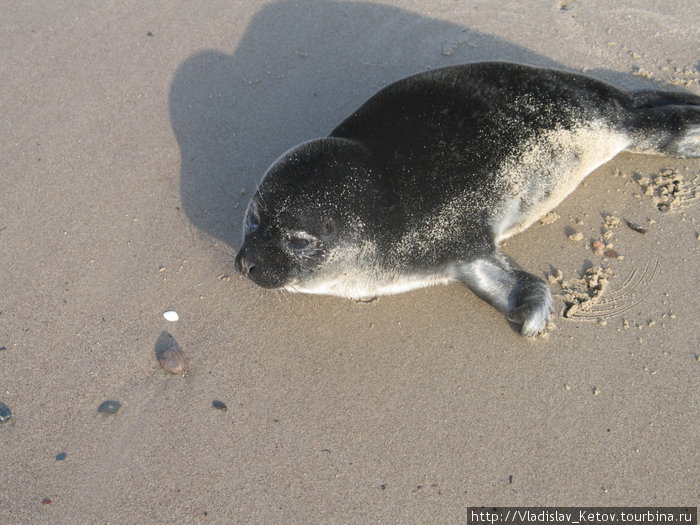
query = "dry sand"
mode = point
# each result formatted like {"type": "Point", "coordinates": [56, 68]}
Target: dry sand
{"type": "Point", "coordinates": [129, 131]}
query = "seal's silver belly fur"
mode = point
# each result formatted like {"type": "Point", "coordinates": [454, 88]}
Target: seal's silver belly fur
{"type": "Point", "coordinates": [425, 180]}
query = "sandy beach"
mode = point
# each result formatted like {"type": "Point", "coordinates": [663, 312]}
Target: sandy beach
{"type": "Point", "coordinates": [133, 135]}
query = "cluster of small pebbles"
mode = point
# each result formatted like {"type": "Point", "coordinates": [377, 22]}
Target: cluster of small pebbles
{"type": "Point", "coordinates": [604, 245]}
{"type": "Point", "coordinates": [172, 359]}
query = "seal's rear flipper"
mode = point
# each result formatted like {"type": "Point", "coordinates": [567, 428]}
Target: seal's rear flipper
{"type": "Point", "coordinates": [522, 297]}
{"type": "Point", "coordinates": [666, 123]}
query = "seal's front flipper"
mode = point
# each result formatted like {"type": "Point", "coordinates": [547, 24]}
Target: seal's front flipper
{"type": "Point", "coordinates": [520, 296]}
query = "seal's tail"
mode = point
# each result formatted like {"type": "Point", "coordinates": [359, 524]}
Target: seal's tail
{"type": "Point", "coordinates": [666, 123]}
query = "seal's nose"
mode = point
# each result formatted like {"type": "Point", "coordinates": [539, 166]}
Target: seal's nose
{"type": "Point", "coordinates": [259, 266]}
{"type": "Point", "coordinates": [242, 265]}
{"type": "Point", "coordinates": [246, 261]}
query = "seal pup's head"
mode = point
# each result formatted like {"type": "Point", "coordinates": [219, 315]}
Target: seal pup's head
{"type": "Point", "coordinates": [308, 216]}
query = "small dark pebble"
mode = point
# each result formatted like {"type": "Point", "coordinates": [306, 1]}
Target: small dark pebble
{"type": "Point", "coordinates": [636, 227]}
{"type": "Point", "coordinates": [382, 486]}
{"type": "Point", "coordinates": [109, 407]}
{"type": "Point", "coordinates": [171, 357]}
{"type": "Point", "coordinates": [3, 348]}
{"type": "Point", "coordinates": [61, 456]}
{"type": "Point", "coordinates": [5, 413]}
{"type": "Point", "coordinates": [510, 479]}
{"type": "Point", "coordinates": [611, 254]}
{"type": "Point", "coordinates": [149, 34]}
{"type": "Point", "coordinates": [46, 501]}
{"type": "Point", "coordinates": [219, 405]}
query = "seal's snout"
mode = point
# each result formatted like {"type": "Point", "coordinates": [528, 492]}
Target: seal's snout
{"type": "Point", "coordinates": [242, 264]}
{"type": "Point", "coordinates": [256, 265]}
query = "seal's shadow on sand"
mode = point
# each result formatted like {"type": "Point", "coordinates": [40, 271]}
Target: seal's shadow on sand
{"type": "Point", "coordinates": [297, 72]}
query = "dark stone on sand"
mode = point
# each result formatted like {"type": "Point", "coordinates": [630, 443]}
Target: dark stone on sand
{"type": "Point", "coordinates": [219, 405]}
{"type": "Point", "coordinates": [636, 227]}
{"type": "Point", "coordinates": [5, 413]}
{"type": "Point", "coordinates": [109, 407]}
{"type": "Point", "coordinates": [171, 357]}
{"type": "Point", "coordinates": [61, 456]}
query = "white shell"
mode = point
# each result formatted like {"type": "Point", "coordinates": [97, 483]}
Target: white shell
{"type": "Point", "coordinates": [171, 315]}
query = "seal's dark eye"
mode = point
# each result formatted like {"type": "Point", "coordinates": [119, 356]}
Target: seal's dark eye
{"type": "Point", "coordinates": [301, 242]}
{"type": "Point", "coordinates": [298, 242]}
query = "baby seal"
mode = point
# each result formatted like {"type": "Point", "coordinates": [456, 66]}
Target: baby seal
{"type": "Point", "coordinates": [424, 181]}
